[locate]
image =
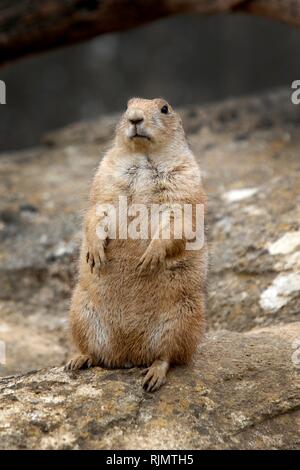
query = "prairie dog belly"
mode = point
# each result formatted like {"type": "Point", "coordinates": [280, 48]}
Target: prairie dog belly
{"type": "Point", "coordinates": [124, 291]}
{"type": "Point", "coordinates": [135, 311]}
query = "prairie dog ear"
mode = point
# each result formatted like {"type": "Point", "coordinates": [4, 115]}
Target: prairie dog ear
{"type": "Point", "coordinates": [130, 101]}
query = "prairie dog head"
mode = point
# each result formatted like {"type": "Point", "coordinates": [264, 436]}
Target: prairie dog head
{"type": "Point", "coordinates": [150, 125]}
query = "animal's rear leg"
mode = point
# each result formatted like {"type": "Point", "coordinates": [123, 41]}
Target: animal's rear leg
{"type": "Point", "coordinates": [82, 361]}
{"type": "Point", "coordinates": [155, 375]}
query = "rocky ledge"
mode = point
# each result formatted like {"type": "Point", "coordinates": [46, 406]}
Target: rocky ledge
{"type": "Point", "coordinates": [243, 389]}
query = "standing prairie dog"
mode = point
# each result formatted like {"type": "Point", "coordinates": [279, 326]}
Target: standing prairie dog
{"type": "Point", "coordinates": [141, 302]}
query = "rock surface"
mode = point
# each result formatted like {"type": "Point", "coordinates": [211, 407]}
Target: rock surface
{"type": "Point", "coordinates": [248, 150]}
{"type": "Point", "coordinates": [241, 392]}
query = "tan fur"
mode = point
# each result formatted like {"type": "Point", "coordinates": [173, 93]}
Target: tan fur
{"type": "Point", "coordinates": [141, 302]}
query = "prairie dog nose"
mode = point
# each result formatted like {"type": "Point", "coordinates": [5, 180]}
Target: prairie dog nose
{"type": "Point", "coordinates": [135, 116]}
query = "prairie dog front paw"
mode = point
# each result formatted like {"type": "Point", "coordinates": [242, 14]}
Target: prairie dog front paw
{"type": "Point", "coordinates": [96, 239]}
{"type": "Point", "coordinates": [95, 256]}
{"type": "Point", "coordinates": [153, 258]}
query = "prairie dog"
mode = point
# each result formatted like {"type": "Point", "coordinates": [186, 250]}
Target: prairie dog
{"type": "Point", "coordinates": [140, 302]}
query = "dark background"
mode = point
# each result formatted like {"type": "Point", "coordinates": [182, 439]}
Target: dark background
{"type": "Point", "coordinates": [184, 59]}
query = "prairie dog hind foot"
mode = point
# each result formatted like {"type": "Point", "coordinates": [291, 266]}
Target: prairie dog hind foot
{"type": "Point", "coordinates": [82, 361]}
{"type": "Point", "coordinates": [155, 375]}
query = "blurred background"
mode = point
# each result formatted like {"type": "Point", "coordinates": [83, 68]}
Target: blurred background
{"type": "Point", "coordinates": [190, 59]}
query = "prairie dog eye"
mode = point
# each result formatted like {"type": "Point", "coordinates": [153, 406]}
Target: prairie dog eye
{"type": "Point", "coordinates": [165, 109]}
